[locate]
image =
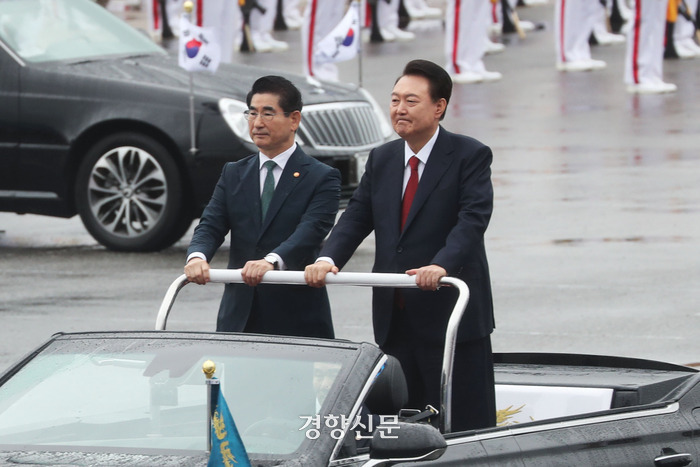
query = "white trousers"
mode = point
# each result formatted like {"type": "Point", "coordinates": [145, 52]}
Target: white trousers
{"type": "Point", "coordinates": [290, 10]}
{"type": "Point", "coordinates": [226, 19]}
{"type": "Point", "coordinates": [600, 26]}
{"type": "Point", "coordinates": [222, 15]}
{"type": "Point", "coordinates": [573, 23]}
{"type": "Point", "coordinates": [645, 43]}
{"type": "Point", "coordinates": [684, 29]}
{"type": "Point", "coordinates": [155, 15]}
{"type": "Point", "coordinates": [387, 14]}
{"type": "Point", "coordinates": [466, 31]}
{"type": "Point", "coordinates": [263, 23]}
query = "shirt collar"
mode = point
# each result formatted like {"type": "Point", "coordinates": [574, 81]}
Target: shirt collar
{"type": "Point", "coordinates": [280, 159]}
{"type": "Point", "coordinates": [424, 152]}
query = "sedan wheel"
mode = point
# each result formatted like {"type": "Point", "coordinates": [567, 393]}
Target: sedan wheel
{"type": "Point", "coordinates": [129, 194]}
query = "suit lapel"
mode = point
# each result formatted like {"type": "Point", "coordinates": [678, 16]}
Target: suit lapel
{"type": "Point", "coordinates": [390, 192]}
{"type": "Point", "coordinates": [294, 171]}
{"type": "Point", "coordinates": [250, 187]}
{"type": "Point", "coordinates": [439, 161]}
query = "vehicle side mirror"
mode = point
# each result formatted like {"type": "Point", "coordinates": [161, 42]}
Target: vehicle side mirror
{"type": "Point", "coordinates": [405, 442]}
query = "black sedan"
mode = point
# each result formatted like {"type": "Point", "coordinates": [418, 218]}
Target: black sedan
{"type": "Point", "coordinates": [139, 398]}
{"type": "Point", "coordinates": [95, 120]}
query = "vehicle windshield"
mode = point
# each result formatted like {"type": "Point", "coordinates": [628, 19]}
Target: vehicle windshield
{"type": "Point", "coordinates": [146, 394]}
{"type": "Point", "coordinates": [48, 30]}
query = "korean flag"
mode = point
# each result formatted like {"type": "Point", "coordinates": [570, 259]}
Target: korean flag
{"type": "Point", "coordinates": [199, 48]}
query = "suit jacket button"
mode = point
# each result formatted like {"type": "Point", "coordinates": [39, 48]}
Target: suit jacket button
{"type": "Point", "coordinates": [399, 249]}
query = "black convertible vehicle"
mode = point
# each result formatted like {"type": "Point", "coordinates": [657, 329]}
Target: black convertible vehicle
{"type": "Point", "coordinates": [95, 120]}
{"type": "Point", "coordinates": [139, 398]}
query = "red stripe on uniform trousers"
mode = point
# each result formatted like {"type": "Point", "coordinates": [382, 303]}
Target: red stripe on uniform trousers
{"type": "Point", "coordinates": [312, 27]}
{"type": "Point", "coordinates": [635, 50]}
{"type": "Point", "coordinates": [561, 31]}
{"type": "Point", "coordinates": [156, 15]}
{"type": "Point", "coordinates": [455, 37]}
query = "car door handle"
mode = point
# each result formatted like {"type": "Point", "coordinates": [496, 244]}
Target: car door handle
{"type": "Point", "coordinates": [670, 458]}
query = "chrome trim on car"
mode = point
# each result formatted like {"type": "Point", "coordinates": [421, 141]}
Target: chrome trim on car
{"type": "Point", "coordinates": [358, 403]}
{"type": "Point", "coordinates": [555, 425]}
{"type": "Point", "coordinates": [28, 194]}
{"type": "Point", "coordinates": [558, 424]}
{"type": "Point", "coordinates": [445, 416]}
{"type": "Point", "coordinates": [357, 279]}
{"type": "Point", "coordinates": [12, 53]}
{"type": "Point", "coordinates": [349, 460]}
{"type": "Point", "coordinates": [341, 126]}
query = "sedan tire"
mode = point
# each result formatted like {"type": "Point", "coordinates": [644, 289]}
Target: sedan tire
{"type": "Point", "coordinates": [130, 195]}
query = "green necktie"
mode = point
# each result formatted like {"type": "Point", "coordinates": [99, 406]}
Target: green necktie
{"type": "Point", "coordinates": [268, 187]}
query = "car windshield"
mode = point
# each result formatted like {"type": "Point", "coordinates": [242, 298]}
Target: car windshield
{"type": "Point", "coordinates": [48, 30]}
{"type": "Point", "coordinates": [147, 395]}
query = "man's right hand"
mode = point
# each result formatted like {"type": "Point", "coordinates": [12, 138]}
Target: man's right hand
{"type": "Point", "coordinates": [315, 274]}
{"type": "Point", "coordinates": [197, 271]}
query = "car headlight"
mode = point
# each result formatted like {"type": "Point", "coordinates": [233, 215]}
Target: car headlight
{"type": "Point", "coordinates": [384, 125]}
{"type": "Point", "coordinates": [232, 111]}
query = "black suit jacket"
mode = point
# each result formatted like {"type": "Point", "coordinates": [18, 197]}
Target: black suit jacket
{"type": "Point", "coordinates": [301, 213]}
{"type": "Point", "coordinates": [446, 226]}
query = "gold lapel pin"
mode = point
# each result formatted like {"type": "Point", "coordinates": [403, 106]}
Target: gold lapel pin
{"type": "Point", "coordinates": [296, 174]}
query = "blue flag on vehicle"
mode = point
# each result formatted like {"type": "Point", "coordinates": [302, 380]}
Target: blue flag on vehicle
{"type": "Point", "coordinates": [226, 445]}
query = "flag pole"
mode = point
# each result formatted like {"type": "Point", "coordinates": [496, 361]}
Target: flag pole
{"type": "Point", "coordinates": [358, 6]}
{"type": "Point", "coordinates": [209, 368]}
{"type": "Point", "coordinates": [188, 6]}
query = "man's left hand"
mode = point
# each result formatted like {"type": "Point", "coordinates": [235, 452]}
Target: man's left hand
{"type": "Point", "coordinates": [428, 277]}
{"type": "Point", "coordinates": [253, 271]}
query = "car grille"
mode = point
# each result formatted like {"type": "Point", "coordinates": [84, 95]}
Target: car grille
{"type": "Point", "coordinates": [341, 126]}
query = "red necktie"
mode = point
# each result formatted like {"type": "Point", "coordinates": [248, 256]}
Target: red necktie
{"type": "Point", "coordinates": [410, 189]}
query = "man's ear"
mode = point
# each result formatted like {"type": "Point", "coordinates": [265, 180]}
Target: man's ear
{"type": "Point", "coordinates": [441, 105]}
{"type": "Point", "coordinates": [296, 119]}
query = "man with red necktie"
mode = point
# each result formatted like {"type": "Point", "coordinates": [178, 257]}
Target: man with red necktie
{"type": "Point", "coordinates": [442, 234]}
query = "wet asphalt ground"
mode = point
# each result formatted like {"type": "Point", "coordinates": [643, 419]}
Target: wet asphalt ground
{"type": "Point", "coordinates": [594, 244]}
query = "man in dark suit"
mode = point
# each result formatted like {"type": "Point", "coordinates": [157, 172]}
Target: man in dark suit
{"type": "Point", "coordinates": [439, 233]}
{"type": "Point", "coordinates": [278, 206]}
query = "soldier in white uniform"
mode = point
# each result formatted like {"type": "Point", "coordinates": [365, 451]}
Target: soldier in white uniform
{"type": "Point", "coordinates": [573, 23]}
{"type": "Point", "coordinates": [645, 49]}
{"type": "Point", "coordinates": [324, 15]}
{"type": "Point", "coordinates": [684, 33]}
{"type": "Point", "coordinates": [291, 14]}
{"type": "Point", "coordinates": [261, 26]}
{"type": "Point", "coordinates": [419, 9]}
{"type": "Point", "coordinates": [224, 16]}
{"type": "Point", "coordinates": [163, 24]}
{"type": "Point", "coordinates": [388, 22]}
{"type": "Point", "coordinates": [465, 40]}
{"type": "Point", "coordinates": [600, 28]}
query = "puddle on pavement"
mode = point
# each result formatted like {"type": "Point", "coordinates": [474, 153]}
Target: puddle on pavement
{"type": "Point", "coordinates": [636, 239]}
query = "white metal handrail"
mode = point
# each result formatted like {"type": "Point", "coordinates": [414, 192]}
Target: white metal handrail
{"type": "Point", "coordinates": [362, 279]}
